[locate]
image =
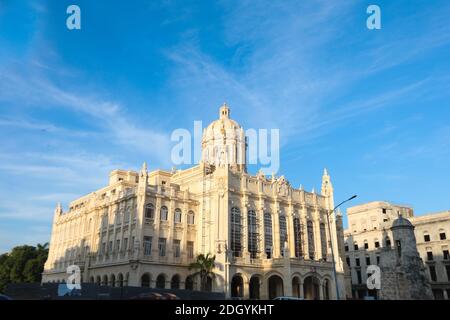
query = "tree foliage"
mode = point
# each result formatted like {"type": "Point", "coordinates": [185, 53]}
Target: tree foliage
{"type": "Point", "coordinates": [204, 265]}
{"type": "Point", "coordinates": [22, 264]}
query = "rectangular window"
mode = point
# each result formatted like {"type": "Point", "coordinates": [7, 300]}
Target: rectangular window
{"type": "Point", "coordinates": [125, 244]}
{"type": "Point", "coordinates": [446, 256]}
{"type": "Point", "coordinates": [447, 269]}
{"type": "Point", "coordinates": [398, 245]}
{"type": "Point", "coordinates": [190, 249]}
{"type": "Point", "coordinates": [442, 236]}
{"type": "Point", "coordinates": [162, 247]}
{"type": "Point", "coordinates": [132, 243]}
{"type": "Point", "coordinates": [176, 248]}
{"type": "Point", "coordinates": [110, 246]}
{"type": "Point", "coordinates": [366, 246]}
{"type": "Point", "coordinates": [430, 256]}
{"type": "Point", "coordinates": [426, 238]}
{"type": "Point", "coordinates": [357, 262]}
{"type": "Point", "coordinates": [368, 261]}
{"type": "Point", "coordinates": [378, 260]}
{"type": "Point", "coordinates": [377, 244]}
{"type": "Point", "coordinates": [103, 247]}
{"type": "Point", "coordinates": [384, 210]}
{"type": "Point", "coordinates": [346, 248]}
{"type": "Point", "coordinates": [433, 273]}
{"type": "Point", "coordinates": [355, 247]}
{"type": "Point", "coordinates": [358, 274]}
{"type": "Point", "coordinates": [117, 245]}
{"type": "Point", "coordinates": [147, 246]}
{"type": "Point", "coordinates": [348, 261]}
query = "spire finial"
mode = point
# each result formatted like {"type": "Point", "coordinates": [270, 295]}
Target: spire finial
{"type": "Point", "coordinates": [325, 172]}
{"type": "Point", "coordinates": [144, 169]}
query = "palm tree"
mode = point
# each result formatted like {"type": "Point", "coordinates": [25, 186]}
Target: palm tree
{"type": "Point", "coordinates": [204, 265]}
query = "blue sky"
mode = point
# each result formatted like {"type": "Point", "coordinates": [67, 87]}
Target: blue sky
{"type": "Point", "coordinates": [370, 105]}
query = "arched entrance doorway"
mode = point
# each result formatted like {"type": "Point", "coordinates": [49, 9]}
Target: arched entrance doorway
{"type": "Point", "coordinates": [145, 280]}
{"type": "Point", "coordinates": [120, 280]}
{"type": "Point", "coordinates": [113, 280]}
{"type": "Point", "coordinates": [237, 286]}
{"type": "Point", "coordinates": [189, 283]}
{"type": "Point", "coordinates": [105, 280]}
{"type": "Point", "coordinates": [275, 287]}
{"type": "Point", "coordinates": [311, 288]}
{"type": "Point", "coordinates": [161, 281]}
{"type": "Point", "coordinates": [254, 287]}
{"type": "Point", "coordinates": [296, 287]}
{"type": "Point", "coordinates": [175, 282]}
{"type": "Point", "coordinates": [209, 284]}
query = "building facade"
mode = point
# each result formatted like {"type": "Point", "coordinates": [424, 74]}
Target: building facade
{"type": "Point", "coordinates": [369, 231]}
{"type": "Point", "coordinates": [145, 228]}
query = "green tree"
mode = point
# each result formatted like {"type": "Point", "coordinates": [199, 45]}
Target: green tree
{"type": "Point", "coordinates": [205, 266]}
{"type": "Point", "coordinates": [22, 264]}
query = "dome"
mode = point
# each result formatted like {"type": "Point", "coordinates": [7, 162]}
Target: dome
{"type": "Point", "coordinates": [224, 125]}
{"type": "Point", "coordinates": [402, 222]}
{"type": "Point", "coordinates": [224, 143]}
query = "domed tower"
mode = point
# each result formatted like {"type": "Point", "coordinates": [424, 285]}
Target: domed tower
{"type": "Point", "coordinates": [223, 142]}
{"type": "Point", "coordinates": [402, 271]}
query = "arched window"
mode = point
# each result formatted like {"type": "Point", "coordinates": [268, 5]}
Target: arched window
{"type": "Point", "coordinates": [388, 242]}
{"type": "Point", "coordinates": [190, 217]}
{"type": "Point", "coordinates": [311, 246]}
{"type": "Point", "coordinates": [252, 234]}
{"type": "Point", "coordinates": [150, 211]}
{"type": "Point", "coordinates": [236, 231]}
{"type": "Point", "coordinates": [323, 240]}
{"type": "Point", "coordinates": [177, 215]}
{"type": "Point", "coordinates": [298, 238]}
{"type": "Point", "coordinates": [163, 213]}
{"type": "Point", "coordinates": [268, 241]}
{"type": "Point", "coordinates": [283, 233]}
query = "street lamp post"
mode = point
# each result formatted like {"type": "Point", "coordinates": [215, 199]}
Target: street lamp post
{"type": "Point", "coordinates": [331, 243]}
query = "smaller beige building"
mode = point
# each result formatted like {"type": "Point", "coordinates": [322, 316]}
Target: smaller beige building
{"type": "Point", "coordinates": [369, 231]}
{"type": "Point", "coordinates": [432, 236]}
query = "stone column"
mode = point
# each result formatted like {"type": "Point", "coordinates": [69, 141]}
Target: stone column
{"type": "Point", "coordinates": [290, 230]}
{"type": "Point", "coordinates": [276, 231]}
{"type": "Point", "coordinates": [304, 228]}
{"type": "Point", "coordinates": [262, 242]}
{"type": "Point", "coordinates": [183, 244]}
{"type": "Point", "coordinates": [317, 238]}
{"type": "Point", "coordinates": [155, 238]}
{"type": "Point", "coordinates": [171, 224]}
{"type": "Point", "coordinates": [321, 290]}
{"type": "Point", "coordinates": [246, 287]}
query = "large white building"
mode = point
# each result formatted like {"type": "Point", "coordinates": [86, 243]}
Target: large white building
{"type": "Point", "coordinates": [144, 229]}
{"type": "Point", "coordinates": [369, 230]}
